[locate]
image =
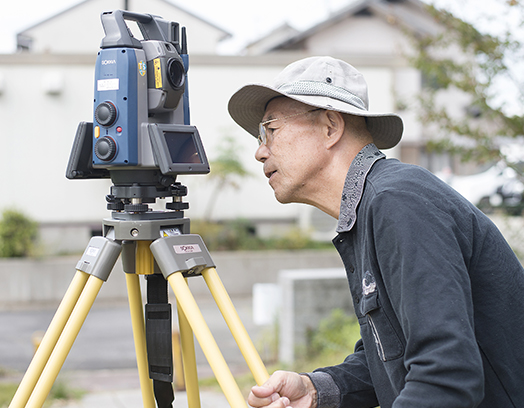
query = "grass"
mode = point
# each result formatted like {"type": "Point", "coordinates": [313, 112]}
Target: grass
{"type": "Point", "coordinates": [60, 391]}
{"type": "Point", "coordinates": [7, 391]}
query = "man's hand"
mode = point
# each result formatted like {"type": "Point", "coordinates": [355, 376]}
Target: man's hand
{"type": "Point", "coordinates": [284, 389]}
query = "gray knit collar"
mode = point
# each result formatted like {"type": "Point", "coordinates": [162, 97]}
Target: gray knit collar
{"type": "Point", "coordinates": [354, 185]}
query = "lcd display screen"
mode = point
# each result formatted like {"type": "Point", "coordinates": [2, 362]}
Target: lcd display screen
{"type": "Point", "coordinates": [182, 147]}
{"type": "Point", "coordinates": [177, 149]}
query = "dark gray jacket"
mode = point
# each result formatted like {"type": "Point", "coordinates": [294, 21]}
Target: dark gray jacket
{"type": "Point", "coordinates": [438, 293]}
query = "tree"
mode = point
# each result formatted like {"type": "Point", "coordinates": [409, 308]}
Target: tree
{"type": "Point", "coordinates": [486, 72]}
{"type": "Point", "coordinates": [226, 170]}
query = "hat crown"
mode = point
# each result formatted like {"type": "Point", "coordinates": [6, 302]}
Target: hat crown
{"type": "Point", "coordinates": [324, 76]}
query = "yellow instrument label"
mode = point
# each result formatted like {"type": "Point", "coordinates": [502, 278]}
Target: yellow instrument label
{"type": "Point", "coordinates": [158, 73]}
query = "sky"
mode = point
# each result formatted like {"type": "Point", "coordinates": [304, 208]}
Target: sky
{"type": "Point", "coordinates": [247, 20]}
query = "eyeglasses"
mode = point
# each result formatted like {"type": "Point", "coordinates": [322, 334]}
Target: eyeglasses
{"type": "Point", "coordinates": [262, 131]}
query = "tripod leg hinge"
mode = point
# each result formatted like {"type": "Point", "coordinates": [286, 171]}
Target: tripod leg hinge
{"type": "Point", "coordinates": [182, 253]}
{"type": "Point", "coordinates": [99, 257]}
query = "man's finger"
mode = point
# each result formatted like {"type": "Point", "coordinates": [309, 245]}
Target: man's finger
{"type": "Point", "coordinates": [262, 397]}
{"type": "Point", "coordinates": [263, 391]}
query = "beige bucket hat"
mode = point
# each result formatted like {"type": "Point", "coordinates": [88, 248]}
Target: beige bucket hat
{"type": "Point", "coordinates": [321, 82]}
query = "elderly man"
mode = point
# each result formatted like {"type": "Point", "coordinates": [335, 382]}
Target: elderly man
{"type": "Point", "coordinates": [438, 293]}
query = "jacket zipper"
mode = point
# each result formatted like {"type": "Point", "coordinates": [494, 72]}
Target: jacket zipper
{"type": "Point", "coordinates": [380, 348]}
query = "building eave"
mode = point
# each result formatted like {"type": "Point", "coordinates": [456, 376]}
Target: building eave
{"type": "Point", "coordinates": [380, 7]}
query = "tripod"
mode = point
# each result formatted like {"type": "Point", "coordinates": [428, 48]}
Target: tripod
{"type": "Point", "coordinates": [151, 244]}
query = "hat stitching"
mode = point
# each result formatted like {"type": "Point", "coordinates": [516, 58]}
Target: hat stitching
{"type": "Point", "coordinates": [322, 89]}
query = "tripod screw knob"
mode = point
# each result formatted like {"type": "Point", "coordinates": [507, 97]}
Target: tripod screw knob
{"type": "Point", "coordinates": [136, 207]}
{"type": "Point", "coordinates": [113, 203]}
{"type": "Point", "coordinates": [115, 206]}
{"type": "Point", "coordinates": [177, 205]}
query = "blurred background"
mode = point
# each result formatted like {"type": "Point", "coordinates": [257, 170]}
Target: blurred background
{"type": "Point", "coordinates": [418, 62]}
{"type": "Point", "coordinates": [452, 70]}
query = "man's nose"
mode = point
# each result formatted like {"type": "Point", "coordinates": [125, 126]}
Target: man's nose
{"type": "Point", "coordinates": [262, 153]}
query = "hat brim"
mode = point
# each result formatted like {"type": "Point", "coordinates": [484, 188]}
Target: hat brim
{"type": "Point", "coordinates": [248, 104]}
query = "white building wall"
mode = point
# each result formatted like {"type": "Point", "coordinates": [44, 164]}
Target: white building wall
{"type": "Point", "coordinates": [360, 36]}
{"type": "Point", "coordinates": [37, 131]}
{"type": "Point", "coordinates": [38, 128]}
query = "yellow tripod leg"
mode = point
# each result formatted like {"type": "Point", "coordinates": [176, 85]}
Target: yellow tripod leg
{"type": "Point", "coordinates": [65, 342]}
{"type": "Point", "coordinates": [235, 325]}
{"type": "Point", "coordinates": [188, 359]}
{"type": "Point", "coordinates": [49, 341]}
{"type": "Point", "coordinates": [208, 344]}
{"type": "Point", "coordinates": [179, 382]}
{"type": "Point", "coordinates": [139, 336]}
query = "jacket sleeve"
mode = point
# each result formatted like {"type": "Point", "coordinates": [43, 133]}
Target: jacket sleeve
{"type": "Point", "coordinates": [424, 257]}
{"type": "Point", "coordinates": [354, 385]}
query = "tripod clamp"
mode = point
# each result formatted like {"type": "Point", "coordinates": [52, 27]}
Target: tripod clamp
{"type": "Point", "coordinates": [183, 253]}
{"type": "Point", "coordinates": [99, 257]}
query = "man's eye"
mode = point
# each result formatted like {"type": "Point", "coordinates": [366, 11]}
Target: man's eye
{"type": "Point", "coordinates": [270, 130]}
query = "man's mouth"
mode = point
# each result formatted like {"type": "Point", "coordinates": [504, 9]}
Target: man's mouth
{"type": "Point", "coordinates": [270, 173]}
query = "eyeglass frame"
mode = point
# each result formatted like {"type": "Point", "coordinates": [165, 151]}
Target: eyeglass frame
{"type": "Point", "coordinates": [262, 134]}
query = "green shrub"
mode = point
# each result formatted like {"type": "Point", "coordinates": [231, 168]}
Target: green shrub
{"type": "Point", "coordinates": [18, 234]}
{"type": "Point", "coordinates": [229, 236]}
{"type": "Point", "coordinates": [336, 334]}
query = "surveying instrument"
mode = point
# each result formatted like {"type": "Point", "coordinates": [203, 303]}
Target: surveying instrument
{"type": "Point", "coordinates": [141, 138]}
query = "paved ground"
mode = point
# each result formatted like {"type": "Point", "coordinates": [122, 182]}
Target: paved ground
{"type": "Point", "coordinates": [102, 360]}
{"type": "Point", "coordinates": [132, 399]}
{"type": "Point", "coordinates": [120, 389]}
{"type": "Point", "coordinates": [106, 339]}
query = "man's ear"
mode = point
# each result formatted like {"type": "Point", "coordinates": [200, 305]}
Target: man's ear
{"type": "Point", "coordinates": [335, 128]}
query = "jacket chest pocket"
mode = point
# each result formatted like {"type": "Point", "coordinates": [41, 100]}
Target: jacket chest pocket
{"type": "Point", "coordinates": [389, 346]}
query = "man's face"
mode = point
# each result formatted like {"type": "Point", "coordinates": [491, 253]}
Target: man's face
{"type": "Point", "coordinates": [293, 152]}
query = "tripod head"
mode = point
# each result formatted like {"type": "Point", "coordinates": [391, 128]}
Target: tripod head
{"type": "Point", "coordinates": [140, 136]}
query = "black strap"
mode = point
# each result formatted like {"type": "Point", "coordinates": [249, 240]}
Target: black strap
{"type": "Point", "coordinates": [157, 289]}
{"type": "Point", "coordinates": [164, 394]}
{"type": "Point", "coordinates": [159, 340]}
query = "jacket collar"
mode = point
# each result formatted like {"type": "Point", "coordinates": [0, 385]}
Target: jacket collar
{"type": "Point", "coordinates": [354, 185]}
